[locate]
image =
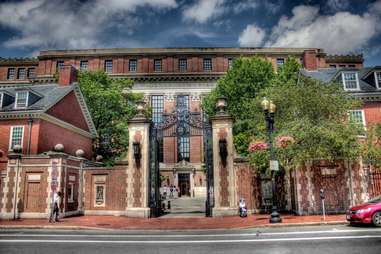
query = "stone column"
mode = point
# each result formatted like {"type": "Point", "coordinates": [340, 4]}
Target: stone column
{"type": "Point", "coordinates": [225, 201]}
{"type": "Point", "coordinates": [138, 173]}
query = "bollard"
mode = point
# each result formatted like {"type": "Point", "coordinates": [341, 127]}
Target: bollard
{"type": "Point", "coordinates": [169, 205]}
{"type": "Point", "coordinates": [322, 197]}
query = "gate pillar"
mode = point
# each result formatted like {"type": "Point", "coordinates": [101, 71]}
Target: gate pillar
{"type": "Point", "coordinates": [138, 167]}
{"type": "Point", "coordinates": [225, 201]}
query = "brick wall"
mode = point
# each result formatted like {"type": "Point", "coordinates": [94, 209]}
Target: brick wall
{"type": "Point", "coordinates": [372, 111]}
{"type": "Point", "coordinates": [69, 104]}
{"type": "Point", "coordinates": [116, 186]}
{"type": "Point", "coordinates": [51, 134]}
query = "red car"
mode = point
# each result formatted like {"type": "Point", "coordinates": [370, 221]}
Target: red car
{"type": "Point", "coordinates": [369, 212]}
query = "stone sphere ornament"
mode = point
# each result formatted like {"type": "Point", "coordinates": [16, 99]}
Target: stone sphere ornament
{"type": "Point", "coordinates": [99, 158]}
{"type": "Point", "coordinates": [79, 153]}
{"type": "Point", "coordinates": [59, 148]}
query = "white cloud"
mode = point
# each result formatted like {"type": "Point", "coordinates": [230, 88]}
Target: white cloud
{"type": "Point", "coordinates": [70, 24]}
{"type": "Point", "coordinates": [203, 10]}
{"type": "Point", "coordinates": [340, 33]}
{"type": "Point", "coordinates": [245, 5]}
{"type": "Point", "coordinates": [252, 36]}
{"type": "Point", "coordinates": [337, 5]}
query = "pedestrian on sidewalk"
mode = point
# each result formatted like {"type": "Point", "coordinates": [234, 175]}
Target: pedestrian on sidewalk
{"type": "Point", "coordinates": [56, 207]}
{"type": "Point", "coordinates": [171, 191]}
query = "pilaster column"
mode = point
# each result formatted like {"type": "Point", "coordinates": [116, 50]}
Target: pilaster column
{"type": "Point", "coordinates": [138, 172]}
{"type": "Point", "coordinates": [225, 201]}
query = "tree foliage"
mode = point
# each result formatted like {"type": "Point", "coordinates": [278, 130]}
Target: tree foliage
{"type": "Point", "coordinates": [371, 146]}
{"type": "Point", "coordinates": [313, 113]}
{"type": "Point", "coordinates": [111, 106]}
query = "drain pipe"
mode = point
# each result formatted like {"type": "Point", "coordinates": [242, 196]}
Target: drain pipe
{"type": "Point", "coordinates": [30, 123]}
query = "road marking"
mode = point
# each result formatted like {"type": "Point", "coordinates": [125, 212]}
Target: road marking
{"type": "Point", "coordinates": [193, 241]}
{"type": "Point", "coordinates": [201, 235]}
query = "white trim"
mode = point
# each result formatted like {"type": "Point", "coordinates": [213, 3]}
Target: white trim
{"type": "Point", "coordinates": [1, 99]}
{"type": "Point", "coordinates": [378, 85]}
{"type": "Point", "coordinates": [362, 116]}
{"type": "Point", "coordinates": [357, 80]}
{"type": "Point", "coordinates": [26, 102]}
{"type": "Point", "coordinates": [10, 136]}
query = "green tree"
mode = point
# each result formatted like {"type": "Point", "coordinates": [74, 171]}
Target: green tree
{"type": "Point", "coordinates": [312, 113]}
{"type": "Point", "coordinates": [371, 147]}
{"type": "Point", "coordinates": [111, 106]}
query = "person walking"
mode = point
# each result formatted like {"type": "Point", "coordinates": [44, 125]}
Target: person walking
{"type": "Point", "coordinates": [56, 207]}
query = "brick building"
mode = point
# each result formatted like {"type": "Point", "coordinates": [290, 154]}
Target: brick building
{"type": "Point", "coordinates": [36, 117]}
{"type": "Point", "coordinates": [174, 80]}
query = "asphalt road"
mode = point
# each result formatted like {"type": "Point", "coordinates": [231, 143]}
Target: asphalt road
{"type": "Point", "coordinates": [311, 240]}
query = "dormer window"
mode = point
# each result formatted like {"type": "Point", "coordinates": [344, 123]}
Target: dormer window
{"type": "Point", "coordinates": [21, 99]}
{"type": "Point", "coordinates": [377, 77]}
{"type": "Point", "coordinates": [350, 81]}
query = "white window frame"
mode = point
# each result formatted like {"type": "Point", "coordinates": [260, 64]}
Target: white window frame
{"type": "Point", "coordinates": [1, 99]}
{"type": "Point", "coordinates": [82, 65]}
{"type": "Point", "coordinates": [26, 102]}
{"type": "Point", "coordinates": [109, 71]}
{"type": "Point", "coordinates": [362, 116]}
{"type": "Point", "coordinates": [357, 80]}
{"type": "Point", "coordinates": [378, 84]}
{"type": "Point", "coordinates": [18, 73]}
{"type": "Point", "coordinates": [70, 199]}
{"type": "Point", "coordinates": [11, 136]}
{"type": "Point", "coordinates": [135, 65]}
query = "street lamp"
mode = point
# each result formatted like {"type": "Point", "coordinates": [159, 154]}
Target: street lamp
{"type": "Point", "coordinates": [269, 110]}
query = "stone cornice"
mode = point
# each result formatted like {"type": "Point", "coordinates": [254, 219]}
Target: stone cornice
{"type": "Point", "coordinates": [171, 51]}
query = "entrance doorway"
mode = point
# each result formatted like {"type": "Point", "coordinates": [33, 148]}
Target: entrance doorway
{"type": "Point", "coordinates": [184, 184]}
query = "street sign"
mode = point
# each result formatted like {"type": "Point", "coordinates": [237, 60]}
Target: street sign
{"type": "Point", "coordinates": [274, 165]}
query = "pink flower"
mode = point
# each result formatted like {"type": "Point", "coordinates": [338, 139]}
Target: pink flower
{"type": "Point", "coordinates": [258, 146]}
{"type": "Point", "coordinates": [284, 141]}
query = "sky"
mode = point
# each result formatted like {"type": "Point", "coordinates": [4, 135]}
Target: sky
{"type": "Point", "coordinates": [337, 26]}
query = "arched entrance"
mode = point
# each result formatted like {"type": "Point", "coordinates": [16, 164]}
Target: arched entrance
{"type": "Point", "coordinates": [181, 125]}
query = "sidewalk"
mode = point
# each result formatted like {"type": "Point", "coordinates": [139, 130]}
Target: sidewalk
{"type": "Point", "coordinates": [124, 223]}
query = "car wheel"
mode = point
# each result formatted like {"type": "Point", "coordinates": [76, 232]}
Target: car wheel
{"type": "Point", "coordinates": [376, 219]}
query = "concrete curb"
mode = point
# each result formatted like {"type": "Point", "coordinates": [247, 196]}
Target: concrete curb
{"type": "Point", "coordinates": [174, 229]}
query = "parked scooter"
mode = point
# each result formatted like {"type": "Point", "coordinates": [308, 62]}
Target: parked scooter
{"type": "Point", "coordinates": [242, 208]}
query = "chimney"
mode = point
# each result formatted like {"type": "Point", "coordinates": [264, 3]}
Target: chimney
{"type": "Point", "coordinates": [310, 60]}
{"type": "Point", "coordinates": [67, 75]}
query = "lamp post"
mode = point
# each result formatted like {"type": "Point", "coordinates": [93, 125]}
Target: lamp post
{"type": "Point", "coordinates": [269, 111]}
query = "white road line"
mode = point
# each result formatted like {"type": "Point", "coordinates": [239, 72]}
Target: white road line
{"type": "Point", "coordinates": [200, 235]}
{"type": "Point", "coordinates": [194, 241]}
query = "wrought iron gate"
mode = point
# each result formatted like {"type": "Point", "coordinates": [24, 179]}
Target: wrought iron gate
{"type": "Point", "coordinates": [179, 124]}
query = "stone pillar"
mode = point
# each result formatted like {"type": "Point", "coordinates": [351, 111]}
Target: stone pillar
{"type": "Point", "coordinates": [11, 187]}
{"type": "Point", "coordinates": [138, 173]}
{"type": "Point", "coordinates": [225, 200]}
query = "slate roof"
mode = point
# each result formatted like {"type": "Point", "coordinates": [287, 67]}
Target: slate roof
{"type": "Point", "coordinates": [49, 94]}
{"type": "Point", "coordinates": [366, 81]}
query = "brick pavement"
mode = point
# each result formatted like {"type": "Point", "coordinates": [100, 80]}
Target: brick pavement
{"type": "Point", "coordinates": [124, 223]}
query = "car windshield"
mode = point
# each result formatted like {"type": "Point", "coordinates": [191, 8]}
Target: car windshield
{"type": "Point", "coordinates": [375, 200]}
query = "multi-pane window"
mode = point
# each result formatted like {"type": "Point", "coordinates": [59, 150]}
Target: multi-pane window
{"type": "Point", "coordinates": [108, 66]}
{"type": "Point", "coordinates": [280, 62]}
{"type": "Point", "coordinates": [59, 65]}
{"type": "Point", "coordinates": [17, 133]}
{"type": "Point", "coordinates": [350, 80]}
{"type": "Point", "coordinates": [183, 64]}
{"type": "Point", "coordinates": [31, 72]}
{"type": "Point", "coordinates": [377, 76]}
{"type": "Point", "coordinates": [157, 65]}
{"type": "Point", "coordinates": [83, 65]}
{"type": "Point", "coordinates": [157, 104]}
{"type": "Point", "coordinates": [21, 99]}
{"type": "Point", "coordinates": [184, 149]}
{"type": "Point", "coordinates": [183, 128]}
{"type": "Point", "coordinates": [357, 116]}
{"type": "Point", "coordinates": [207, 64]}
{"type": "Point", "coordinates": [132, 66]}
{"type": "Point", "coordinates": [230, 63]}
{"type": "Point", "coordinates": [11, 74]}
{"type": "Point", "coordinates": [21, 73]}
